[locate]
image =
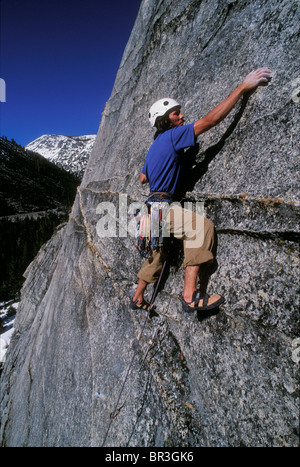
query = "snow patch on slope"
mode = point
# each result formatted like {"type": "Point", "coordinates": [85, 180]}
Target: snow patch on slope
{"type": "Point", "coordinates": [69, 152]}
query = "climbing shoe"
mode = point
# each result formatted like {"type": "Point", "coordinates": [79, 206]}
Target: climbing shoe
{"type": "Point", "coordinates": [197, 298]}
{"type": "Point", "coordinates": [143, 306]}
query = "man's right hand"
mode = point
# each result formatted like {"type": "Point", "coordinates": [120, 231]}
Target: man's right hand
{"type": "Point", "coordinates": [143, 178]}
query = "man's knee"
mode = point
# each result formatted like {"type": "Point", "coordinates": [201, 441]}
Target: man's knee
{"type": "Point", "coordinates": [209, 226]}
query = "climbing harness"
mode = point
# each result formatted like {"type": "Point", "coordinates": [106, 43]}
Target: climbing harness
{"type": "Point", "coordinates": [150, 219]}
{"type": "Point", "coordinates": [118, 408]}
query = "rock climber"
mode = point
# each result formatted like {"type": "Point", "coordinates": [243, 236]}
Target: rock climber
{"type": "Point", "coordinates": [163, 169]}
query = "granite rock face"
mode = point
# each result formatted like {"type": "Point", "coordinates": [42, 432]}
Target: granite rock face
{"type": "Point", "coordinates": [230, 379]}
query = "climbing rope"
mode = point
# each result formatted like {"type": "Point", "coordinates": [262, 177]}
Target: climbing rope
{"type": "Point", "coordinates": [94, 250]}
{"type": "Point", "coordinates": [117, 409]}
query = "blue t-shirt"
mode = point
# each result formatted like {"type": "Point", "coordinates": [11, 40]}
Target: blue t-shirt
{"type": "Point", "coordinates": [164, 162]}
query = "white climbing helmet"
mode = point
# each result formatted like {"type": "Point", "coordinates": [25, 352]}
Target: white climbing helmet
{"type": "Point", "coordinates": [160, 107]}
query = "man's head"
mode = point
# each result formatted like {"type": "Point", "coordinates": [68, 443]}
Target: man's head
{"type": "Point", "coordinates": [164, 108]}
{"type": "Point", "coordinates": [165, 114]}
{"type": "Point", "coordinates": [176, 117]}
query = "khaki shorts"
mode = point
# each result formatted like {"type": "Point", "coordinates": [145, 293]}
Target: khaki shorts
{"type": "Point", "coordinates": [198, 235]}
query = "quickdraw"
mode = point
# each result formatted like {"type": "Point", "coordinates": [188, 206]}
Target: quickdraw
{"type": "Point", "coordinates": [150, 220]}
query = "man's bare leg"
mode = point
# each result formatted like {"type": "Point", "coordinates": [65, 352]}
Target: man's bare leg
{"type": "Point", "coordinates": [190, 282]}
{"type": "Point", "coordinates": [140, 290]}
{"type": "Point", "coordinates": [190, 286]}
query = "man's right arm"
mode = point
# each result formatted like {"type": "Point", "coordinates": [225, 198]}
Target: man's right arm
{"type": "Point", "coordinates": [143, 178]}
{"type": "Point", "coordinates": [215, 116]}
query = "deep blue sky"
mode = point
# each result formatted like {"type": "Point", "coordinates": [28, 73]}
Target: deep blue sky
{"type": "Point", "coordinates": [59, 59]}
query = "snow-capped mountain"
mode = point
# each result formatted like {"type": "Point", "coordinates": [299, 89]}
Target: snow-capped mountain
{"type": "Point", "coordinates": [69, 152]}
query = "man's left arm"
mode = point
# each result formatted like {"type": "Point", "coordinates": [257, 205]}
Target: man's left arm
{"type": "Point", "coordinates": [215, 116]}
